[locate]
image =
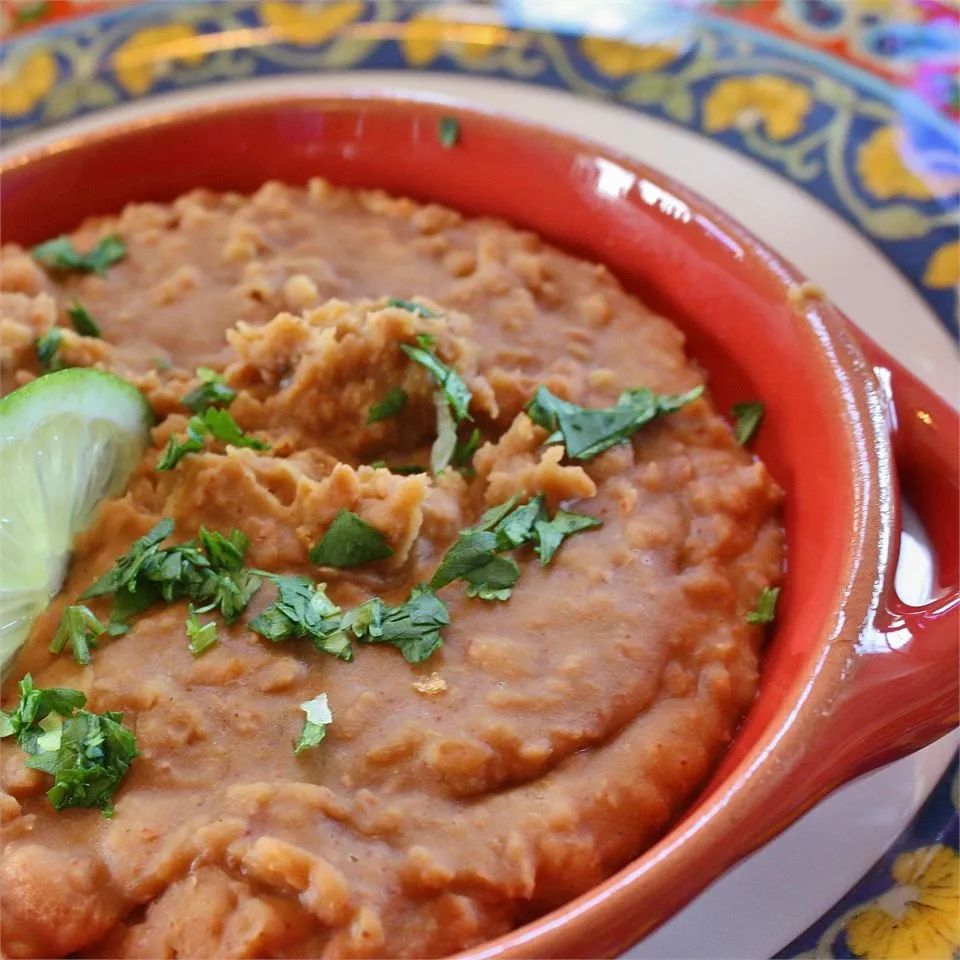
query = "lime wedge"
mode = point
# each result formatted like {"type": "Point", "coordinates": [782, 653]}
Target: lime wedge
{"type": "Point", "coordinates": [67, 440]}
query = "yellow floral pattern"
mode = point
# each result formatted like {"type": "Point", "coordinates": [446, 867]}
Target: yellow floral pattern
{"type": "Point", "coordinates": [23, 85]}
{"type": "Point", "coordinates": [918, 919]}
{"type": "Point", "coordinates": [150, 53]}
{"type": "Point", "coordinates": [618, 59]}
{"type": "Point", "coordinates": [424, 36]}
{"type": "Point", "coordinates": [943, 269]}
{"type": "Point", "coordinates": [781, 105]}
{"type": "Point", "coordinates": [882, 162]}
{"type": "Point", "coordinates": [309, 23]}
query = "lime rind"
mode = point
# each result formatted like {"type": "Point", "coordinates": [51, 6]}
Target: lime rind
{"type": "Point", "coordinates": [67, 441]}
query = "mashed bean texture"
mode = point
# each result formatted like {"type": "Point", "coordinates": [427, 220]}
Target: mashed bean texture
{"type": "Point", "coordinates": [552, 737]}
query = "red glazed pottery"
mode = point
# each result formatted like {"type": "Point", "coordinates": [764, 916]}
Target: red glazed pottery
{"type": "Point", "coordinates": [853, 677]}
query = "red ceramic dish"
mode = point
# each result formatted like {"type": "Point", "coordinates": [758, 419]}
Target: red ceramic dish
{"type": "Point", "coordinates": [853, 677]}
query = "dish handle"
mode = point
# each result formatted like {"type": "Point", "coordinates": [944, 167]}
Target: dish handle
{"type": "Point", "coordinates": [906, 688]}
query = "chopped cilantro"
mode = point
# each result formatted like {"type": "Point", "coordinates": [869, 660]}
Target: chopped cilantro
{"type": "Point", "coordinates": [161, 363]}
{"type": "Point", "coordinates": [414, 626]}
{"type": "Point", "coordinates": [79, 630]}
{"type": "Point", "coordinates": [86, 754]}
{"type": "Point", "coordinates": [176, 449]}
{"type": "Point", "coordinates": [766, 609]}
{"type": "Point", "coordinates": [405, 469]}
{"type": "Point", "coordinates": [588, 432]}
{"type": "Point", "coordinates": [411, 307]}
{"type": "Point", "coordinates": [473, 558]}
{"type": "Point", "coordinates": [348, 542]}
{"type": "Point", "coordinates": [211, 577]}
{"type": "Point", "coordinates": [210, 392]}
{"type": "Point", "coordinates": [551, 533]}
{"type": "Point", "coordinates": [448, 132]}
{"type": "Point", "coordinates": [214, 422]}
{"type": "Point", "coordinates": [519, 526]}
{"type": "Point", "coordinates": [747, 417]}
{"type": "Point", "coordinates": [48, 350]}
{"type": "Point", "coordinates": [494, 515]}
{"type": "Point", "coordinates": [450, 382]}
{"type": "Point", "coordinates": [315, 726]}
{"type": "Point", "coordinates": [303, 609]}
{"type": "Point", "coordinates": [394, 402]}
{"type": "Point", "coordinates": [202, 636]}
{"type": "Point", "coordinates": [83, 323]}
{"type": "Point", "coordinates": [444, 447]}
{"type": "Point", "coordinates": [60, 254]}
{"type": "Point", "coordinates": [465, 449]}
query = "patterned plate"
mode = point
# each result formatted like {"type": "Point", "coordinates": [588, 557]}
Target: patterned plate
{"type": "Point", "coordinates": [853, 101]}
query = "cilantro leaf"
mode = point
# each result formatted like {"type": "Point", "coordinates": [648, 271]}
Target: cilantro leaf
{"type": "Point", "coordinates": [747, 417]}
{"type": "Point", "coordinates": [349, 542]}
{"type": "Point", "coordinates": [31, 11]}
{"type": "Point", "coordinates": [210, 577]}
{"type": "Point", "coordinates": [450, 382]}
{"type": "Point", "coordinates": [465, 449]}
{"type": "Point", "coordinates": [448, 132]}
{"type": "Point", "coordinates": [303, 609]}
{"type": "Point", "coordinates": [494, 515]}
{"type": "Point", "coordinates": [414, 626]}
{"type": "Point", "coordinates": [177, 449]}
{"type": "Point", "coordinates": [94, 755]}
{"type": "Point", "coordinates": [315, 726]}
{"type": "Point", "coordinates": [392, 404]}
{"type": "Point", "coordinates": [444, 447]}
{"type": "Point", "coordinates": [473, 558]}
{"type": "Point", "coordinates": [79, 629]}
{"type": "Point", "coordinates": [27, 721]}
{"type": "Point", "coordinates": [411, 307]}
{"type": "Point", "coordinates": [48, 350]}
{"type": "Point", "coordinates": [224, 428]}
{"type": "Point", "coordinates": [551, 533]}
{"type": "Point", "coordinates": [83, 323]}
{"type": "Point", "coordinates": [766, 609]}
{"type": "Point", "coordinates": [586, 433]}
{"type": "Point", "coordinates": [518, 527]}
{"type": "Point", "coordinates": [210, 392]}
{"type": "Point", "coordinates": [125, 570]}
{"type": "Point", "coordinates": [404, 469]}
{"type": "Point", "coordinates": [87, 754]}
{"type": "Point", "coordinates": [202, 636]}
{"type": "Point", "coordinates": [60, 254]}
{"type": "Point", "coordinates": [214, 422]}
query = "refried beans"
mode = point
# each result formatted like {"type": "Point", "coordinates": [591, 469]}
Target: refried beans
{"type": "Point", "coordinates": [551, 738]}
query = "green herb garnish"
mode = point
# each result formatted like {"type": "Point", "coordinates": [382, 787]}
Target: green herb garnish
{"type": "Point", "coordinates": [412, 307]}
{"type": "Point", "coordinates": [214, 422]}
{"type": "Point", "coordinates": [450, 382]}
{"type": "Point", "coordinates": [303, 609]}
{"type": "Point", "coordinates": [394, 402]}
{"type": "Point", "coordinates": [211, 392]}
{"type": "Point", "coordinates": [31, 11]}
{"type": "Point", "coordinates": [587, 432]}
{"type": "Point", "coordinates": [551, 533]}
{"type": "Point", "coordinates": [83, 323]}
{"type": "Point", "coordinates": [87, 754]}
{"type": "Point", "coordinates": [413, 627]}
{"type": "Point", "coordinates": [48, 350]}
{"type": "Point", "coordinates": [315, 726]}
{"type": "Point", "coordinates": [348, 542]}
{"type": "Point", "coordinates": [766, 609]}
{"type": "Point", "coordinates": [473, 558]}
{"type": "Point", "coordinates": [60, 254]}
{"type": "Point", "coordinates": [465, 449]}
{"type": "Point", "coordinates": [445, 446]}
{"type": "Point", "coordinates": [747, 417]}
{"type": "Point", "coordinates": [79, 630]}
{"type": "Point", "coordinates": [201, 636]}
{"type": "Point", "coordinates": [448, 132]}
{"type": "Point", "coordinates": [208, 573]}
{"type": "Point", "coordinates": [475, 555]}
